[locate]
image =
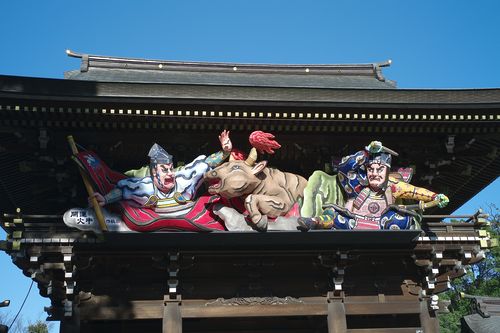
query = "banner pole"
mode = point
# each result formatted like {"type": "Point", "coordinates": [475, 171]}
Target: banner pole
{"type": "Point", "coordinates": [90, 190]}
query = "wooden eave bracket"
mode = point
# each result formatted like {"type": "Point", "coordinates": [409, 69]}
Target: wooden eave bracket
{"type": "Point", "coordinates": [485, 240]}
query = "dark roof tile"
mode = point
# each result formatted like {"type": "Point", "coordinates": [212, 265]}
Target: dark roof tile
{"type": "Point", "coordinates": [112, 69]}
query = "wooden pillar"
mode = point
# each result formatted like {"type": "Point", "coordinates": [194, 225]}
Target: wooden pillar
{"type": "Point", "coordinates": [172, 318]}
{"type": "Point", "coordinates": [337, 321]}
{"type": "Point", "coordinates": [71, 324]}
{"type": "Point", "coordinates": [336, 318]}
{"type": "Point", "coordinates": [428, 320]}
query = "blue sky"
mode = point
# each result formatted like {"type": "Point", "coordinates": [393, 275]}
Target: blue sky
{"type": "Point", "coordinates": [433, 44]}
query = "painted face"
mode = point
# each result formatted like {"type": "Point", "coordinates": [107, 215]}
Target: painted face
{"type": "Point", "coordinates": [377, 176]}
{"type": "Point", "coordinates": [163, 176]}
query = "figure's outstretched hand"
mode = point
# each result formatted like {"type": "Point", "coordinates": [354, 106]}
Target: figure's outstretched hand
{"type": "Point", "coordinates": [99, 197]}
{"type": "Point", "coordinates": [443, 200]}
{"type": "Point", "coordinates": [374, 147]}
{"type": "Point", "coordinates": [225, 141]}
{"type": "Point", "coordinates": [263, 142]}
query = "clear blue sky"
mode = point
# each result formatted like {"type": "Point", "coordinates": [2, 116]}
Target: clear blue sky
{"type": "Point", "coordinates": [433, 44]}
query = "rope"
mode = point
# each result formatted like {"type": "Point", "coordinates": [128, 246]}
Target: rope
{"type": "Point", "coordinates": [22, 305]}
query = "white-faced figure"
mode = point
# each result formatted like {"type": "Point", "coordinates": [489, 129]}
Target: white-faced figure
{"type": "Point", "coordinates": [165, 189]}
{"type": "Point", "coordinates": [162, 169]}
{"type": "Point", "coordinates": [377, 171]}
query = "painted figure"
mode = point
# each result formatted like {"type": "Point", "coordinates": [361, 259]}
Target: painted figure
{"type": "Point", "coordinates": [266, 191]}
{"type": "Point", "coordinates": [167, 190]}
{"type": "Point", "coordinates": [371, 195]}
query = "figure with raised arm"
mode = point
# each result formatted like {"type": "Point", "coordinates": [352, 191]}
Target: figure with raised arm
{"type": "Point", "coordinates": [168, 191]}
{"type": "Point", "coordinates": [371, 195]}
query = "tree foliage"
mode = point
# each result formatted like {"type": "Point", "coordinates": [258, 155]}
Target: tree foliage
{"type": "Point", "coordinates": [38, 327]}
{"type": "Point", "coordinates": [22, 326]}
{"type": "Point", "coordinates": [482, 279]}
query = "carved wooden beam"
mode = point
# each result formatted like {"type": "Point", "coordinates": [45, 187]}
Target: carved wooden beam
{"type": "Point", "coordinates": [104, 308]}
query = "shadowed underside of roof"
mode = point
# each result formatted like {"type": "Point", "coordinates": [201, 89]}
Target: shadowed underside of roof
{"type": "Point", "coordinates": [199, 99]}
{"type": "Point", "coordinates": [113, 69]}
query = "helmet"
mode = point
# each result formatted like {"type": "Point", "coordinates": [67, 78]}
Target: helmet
{"type": "Point", "coordinates": [159, 155]}
{"type": "Point", "coordinates": [380, 158]}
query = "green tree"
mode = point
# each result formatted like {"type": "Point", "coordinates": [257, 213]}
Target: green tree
{"type": "Point", "coordinates": [22, 326]}
{"type": "Point", "coordinates": [483, 279]}
{"type": "Point", "coordinates": [38, 327]}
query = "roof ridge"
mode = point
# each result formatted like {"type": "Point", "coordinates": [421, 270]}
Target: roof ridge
{"type": "Point", "coordinates": [97, 61]}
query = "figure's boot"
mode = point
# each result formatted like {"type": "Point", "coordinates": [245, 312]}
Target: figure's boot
{"type": "Point", "coordinates": [324, 221]}
{"type": "Point", "coordinates": [306, 223]}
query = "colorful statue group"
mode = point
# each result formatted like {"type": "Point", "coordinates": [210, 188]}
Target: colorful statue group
{"type": "Point", "coordinates": [166, 190]}
{"type": "Point", "coordinates": [372, 194]}
{"type": "Point", "coordinates": [257, 196]}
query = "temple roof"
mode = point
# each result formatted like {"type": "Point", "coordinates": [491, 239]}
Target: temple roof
{"type": "Point", "coordinates": [456, 129]}
{"type": "Point", "coordinates": [477, 324]}
{"type": "Point", "coordinates": [115, 69]}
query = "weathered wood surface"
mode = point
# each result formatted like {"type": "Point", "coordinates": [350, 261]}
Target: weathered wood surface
{"type": "Point", "coordinates": [123, 279]}
{"type": "Point", "coordinates": [336, 318]}
{"type": "Point", "coordinates": [429, 321]}
{"type": "Point", "coordinates": [172, 318]}
{"type": "Point", "coordinates": [98, 308]}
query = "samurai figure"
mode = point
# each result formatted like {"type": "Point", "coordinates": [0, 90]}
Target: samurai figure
{"type": "Point", "coordinates": [167, 190]}
{"type": "Point", "coordinates": [371, 195]}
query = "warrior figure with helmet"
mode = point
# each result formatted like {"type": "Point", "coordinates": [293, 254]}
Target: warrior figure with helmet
{"type": "Point", "coordinates": [371, 195]}
{"type": "Point", "coordinates": [167, 190]}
